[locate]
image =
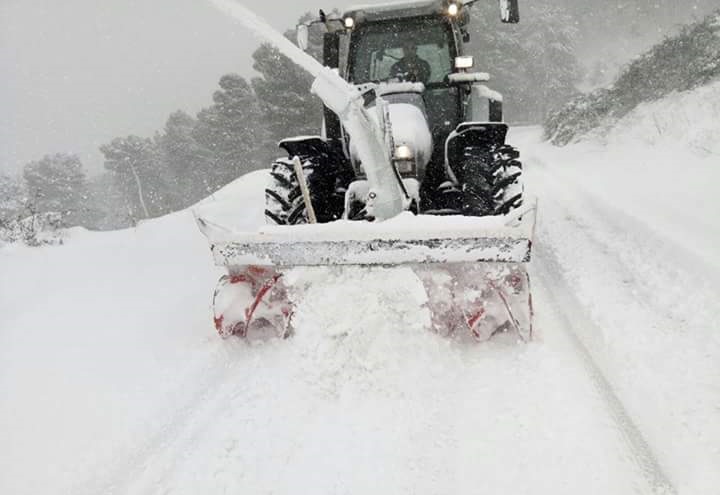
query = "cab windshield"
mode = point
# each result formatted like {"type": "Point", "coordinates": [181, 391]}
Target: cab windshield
{"type": "Point", "coordinates": [376, 50]}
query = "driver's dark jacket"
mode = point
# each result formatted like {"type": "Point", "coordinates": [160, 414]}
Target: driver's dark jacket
{"type": "Point", "coordinates": [415, 70]}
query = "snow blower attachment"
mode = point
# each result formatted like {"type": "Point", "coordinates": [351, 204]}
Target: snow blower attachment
{"type": "Point", "coordinates": [412, 169]}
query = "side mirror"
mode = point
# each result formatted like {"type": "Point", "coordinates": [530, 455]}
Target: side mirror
{"type": "Point", "coordinates": [509, 11]}
{"type": "Point", "coordinates": [303, 35]}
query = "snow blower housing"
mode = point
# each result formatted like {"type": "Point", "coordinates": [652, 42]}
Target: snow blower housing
{"type": "Point", "coordinates": [410, 135]}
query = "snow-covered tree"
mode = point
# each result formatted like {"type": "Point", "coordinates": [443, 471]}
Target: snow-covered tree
{"type": "Point", "coordinates": [679, 63]}
{"type": "Point", "coordinates": [551, 70]}
{"type": "Point", "coordinates": [108, 202]}
{"type": "Point", "coordinates": [614, 32]}
{"type": "Point", "coordinates": [284, 89]}
{"type": "Point", "coordinates": [136, 166]}
{"type": "Point", "coordinates": [56, 183]}
{"type": "Point", "coordinates": [532, 63]}
{"type": "Point", "coordinates": [188, 163]}
{"type": "Point", "coordinates": [232, 130]}
{"type": "Point", "coordinates": [284, 93]}
{"type": "Point", "coordinates": [12, 197]}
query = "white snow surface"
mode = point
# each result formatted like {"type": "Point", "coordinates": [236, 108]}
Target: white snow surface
{"type": "Point", "coordinates": [112, 380]}
{"type": "Point", "coordinates": [405, 225]}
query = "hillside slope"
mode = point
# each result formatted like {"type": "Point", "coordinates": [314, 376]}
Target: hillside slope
{"type": "Point", "coordinates": [688, 60]}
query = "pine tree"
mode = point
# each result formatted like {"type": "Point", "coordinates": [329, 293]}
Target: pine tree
{"type": "Point", "coordinates": [188, 163]}
{"type": "Point", "coordinates": [284, 93]}
{"type": "Point", "coordinates": [615, 31]}
{"type": "Point", "coordinates": [284, 89]}
{"type": "Point", "coordinates": [551, 70]}
{"type": "Point", "coordinates": [108, 203]}
{"type": "Point", "coordinates": [532, 63]}
{"type": "Point", "coordinates": [56, 183]}
{"type": "Point", "coordinates": [11, 198]}
{"type": "Point", "coordinates": [136, 166]}
{"type": "Point", "coordinates": [232, 131]}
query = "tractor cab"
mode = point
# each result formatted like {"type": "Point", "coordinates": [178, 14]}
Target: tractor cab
{"type": "Point", "coordinates": [433, 108]}
{"type": "Point", "coordinates": [376, 48]}
{"type": "Point", "coordinates": [412, 42]}
{"type": "Point", "coordinates": [419, 49]}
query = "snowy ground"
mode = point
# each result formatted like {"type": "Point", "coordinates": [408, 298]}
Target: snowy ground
{"type": "Point", "coordinates": [112, 380]}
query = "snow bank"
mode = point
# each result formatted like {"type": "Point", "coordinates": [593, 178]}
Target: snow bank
{"type": "Point", "coordinates": [658, 165]}
{"type": "Point", "coordinates": [101, 340]}
{"type": "Point", "coordinates": [684, 120]}
{"type": "Point", "coordinates": [85, 355]}
{"type": "Point", "coordinates": [228, 208]}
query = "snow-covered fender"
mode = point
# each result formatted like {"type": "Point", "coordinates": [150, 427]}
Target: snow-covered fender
{"type": "Point", "coordinates": [304, 146]}
{"type": "Point", "coordinates": [322, 154]}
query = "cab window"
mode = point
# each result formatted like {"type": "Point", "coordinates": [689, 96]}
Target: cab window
{"type": "Point", "coordinates": [375, 48]}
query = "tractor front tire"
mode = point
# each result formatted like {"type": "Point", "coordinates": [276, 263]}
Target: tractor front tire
{"type": "Point", "coordinates": [491, 180]}
{"type": "Point", "coordinates": [284, 204]}
{"type": "Point", "coordinates": [283, 197]}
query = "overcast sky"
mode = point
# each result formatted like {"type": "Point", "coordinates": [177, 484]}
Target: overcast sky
{"type": "Point", "coordinates": [77, 73]}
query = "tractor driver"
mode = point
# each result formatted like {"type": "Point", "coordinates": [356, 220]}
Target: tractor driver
{"type": "Point", "coordinates": [411, 67]}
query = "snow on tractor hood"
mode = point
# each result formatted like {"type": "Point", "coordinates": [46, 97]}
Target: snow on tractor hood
{"type": "Point", "coordinates": [409, 127]}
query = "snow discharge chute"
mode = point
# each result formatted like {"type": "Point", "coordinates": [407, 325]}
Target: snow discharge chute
{"type": "Point", "coordinates": [366, 181]}
{"type": "Point", "coordinates": [344, 99]}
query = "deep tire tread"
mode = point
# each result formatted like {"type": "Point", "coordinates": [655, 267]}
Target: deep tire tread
{"type": "Point", "coordinates": [488, 179]}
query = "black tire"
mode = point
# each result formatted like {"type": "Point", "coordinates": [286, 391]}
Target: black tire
{"type": "Point", "coordinates": [509, 181]}
{"type": "Point", "coordinates": [284, 204]}
{"type": "Point", "coordinates": [491, 180]}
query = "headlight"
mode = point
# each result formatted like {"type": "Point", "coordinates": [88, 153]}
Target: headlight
{"type": "Point", "coordinates": [404, 160]}
{"type": "Point", "coordinates": [349, 22]}
{"type": "Point", "coordinates": [453, 9]}
{"type": "Point", "coordinates": [403, 152]}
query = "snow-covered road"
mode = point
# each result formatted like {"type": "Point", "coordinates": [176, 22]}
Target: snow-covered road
{"type": "Point", "coordinates": [112, 381]}
{"type": "Point", "coordinates": [645, 285]}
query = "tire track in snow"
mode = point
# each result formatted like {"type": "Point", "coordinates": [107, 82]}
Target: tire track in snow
{"type": "Point", "coordinates": [629, 225]}
{"type": "Point", "coordinates": [669, 282]}
{"type": "Point", "coordinates": [214, 372]}
{"type": "Point", "coordinates": [640, 291]}
{"type": "Point", "coordinates": [549, 269]}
